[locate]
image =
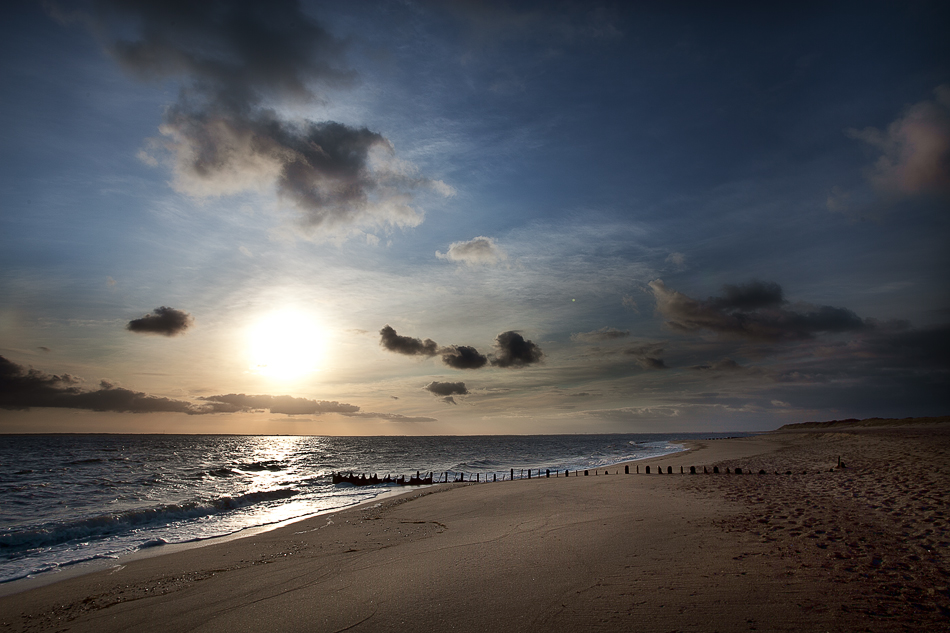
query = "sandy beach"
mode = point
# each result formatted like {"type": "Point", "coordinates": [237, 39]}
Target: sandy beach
{"type": "Point", "coordinates": [806, 546]}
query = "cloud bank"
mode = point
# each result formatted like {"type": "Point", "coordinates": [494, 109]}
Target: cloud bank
{"type": "Point", "coordinates": [288, 405]}
{"type": "Point", "coordinates": [22, 388]}
{"type": "Point", "coordinates": [163, 320]}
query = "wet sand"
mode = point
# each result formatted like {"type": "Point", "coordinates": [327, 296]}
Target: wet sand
{"type": "Point", "coordinates": [858, 548]}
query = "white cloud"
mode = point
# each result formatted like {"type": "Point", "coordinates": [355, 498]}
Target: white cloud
{"type": "Point", "coordinates": [478, 250]}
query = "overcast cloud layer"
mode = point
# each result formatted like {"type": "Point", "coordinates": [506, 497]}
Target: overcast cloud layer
{"type": "Point", "coordinates": [487, 217]}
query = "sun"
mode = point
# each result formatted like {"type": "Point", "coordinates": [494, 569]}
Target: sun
{"type": "Point", "coordinates": [285, 345]}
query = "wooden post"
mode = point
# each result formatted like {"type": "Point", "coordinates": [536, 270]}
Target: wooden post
{"type": "Point", "coordinates": [494, 477]}
{"type": "Point", "coordinates": [638, 469]}
{"type": "Point", "coordinates": [585, 473]}
{"type": "Point", "coordinates": [681, 470]}
{"type": "Point", "coordinates": [478, 477]}
{"type": "Point", "coordinates": [547, 473]}
{"type": "Point", "coordinates": [648, 470]}
{"type": "Point", "coordinates": [512, 474]}
{"type": "Point", "coordinates": [692, 470]}
{"type": "Point", "coordinates": [626, 470]}
{"type": "Point", "coordinates": [715, 470]}
{"type": "Point", "coordinates": [669, 470]}
{"type": "Point", "coordinates": [529, 473]}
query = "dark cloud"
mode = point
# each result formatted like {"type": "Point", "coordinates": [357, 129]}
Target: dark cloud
{"type": "Point", "coordinates": [647, 355]}
{"type": "Point", "coordinates": [750, 296]}
{"type": "Point", "coordinates": [406, 344]}
{"type": "Point", "coordinates": [726, 364]}
{"type": "Point", "coordinates": [164, 320]}
{"type": "Point", "coordinates": [603, 334]}
{"type": "Point", "coordinates": [237, 63]}
{"type": "Point", "coordinates": [463, 357]}
{"type": "Point", "coordinates": [447, 388]}
{"type": "Point", "coordinates": [512, 350]}
{"type": "Point", "coordinates": [754, 311]}
{"type": "Point", "coordinates": [287, 405]}
{"type": "Point", "coordinates": [22, 388]}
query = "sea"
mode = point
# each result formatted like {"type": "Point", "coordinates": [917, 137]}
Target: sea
{"type": "Point", "coordinates": [70, 499]}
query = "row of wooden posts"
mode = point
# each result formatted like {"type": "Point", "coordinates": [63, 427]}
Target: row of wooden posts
{"type": "Point", "coordinates": [460, 477]}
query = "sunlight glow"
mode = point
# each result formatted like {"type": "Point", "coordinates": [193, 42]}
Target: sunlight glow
{"type": "Point", "coordinates": [286, 345]}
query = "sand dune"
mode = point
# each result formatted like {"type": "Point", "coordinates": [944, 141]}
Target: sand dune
{"type": "Point", "coordinates": [832, 549]}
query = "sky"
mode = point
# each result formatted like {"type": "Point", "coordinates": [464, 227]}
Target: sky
{"type": "Point", "coordinates": [424, 218]}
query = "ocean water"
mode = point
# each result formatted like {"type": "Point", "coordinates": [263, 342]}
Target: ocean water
{"type": "Point", "coordinates": [66, 499]}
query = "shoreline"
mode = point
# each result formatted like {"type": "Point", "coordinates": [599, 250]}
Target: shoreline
{"type": "Point", "coordinates": [80, 568]}
{"type": "Point", "coordinates": [821, 548]}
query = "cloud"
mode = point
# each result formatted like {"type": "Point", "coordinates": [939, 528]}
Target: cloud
{"type": "Point", "coordinates": [749, 296]}
{"type": "Point", "coordinates": [647, 355]}
{"type": "Point", "coordinates": [479, 250]}
{"type": "Point", "coordinates": [164, 320]}
{"type": "Point", "coordinates": [405, 344]}
{"type": "Point", "coordinates": [601, 335]}
{"type": "Point", "coordinates": [22, 388]}
{"type": "Point", "coordinates": [915, 149]}
{"type": "Point", "coordinates": [678, 260]}
{"type": "Point", "coordinates": [726, 364]}
{"type": "Point", "coordinates": [447, 388]}
{"type": "Point", "coordinates": [389, 417]}
{"type": "Point", "coordinates": [755, 311]}
{"type": "Point", "coordinates": [288, 405]}
{"type": "Point", "coordinates": [463, 357]}
{"type": "Point", "coordinates": [512, 350]}
{"type": "Point", "coordinates": [239, 63]}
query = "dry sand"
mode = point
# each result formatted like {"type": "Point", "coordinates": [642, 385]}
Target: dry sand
{"type": "Point", "coordinates": [860, 548]}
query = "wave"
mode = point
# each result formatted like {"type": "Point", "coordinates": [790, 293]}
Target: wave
{"type": "Point", "coordinates": [105, 525]}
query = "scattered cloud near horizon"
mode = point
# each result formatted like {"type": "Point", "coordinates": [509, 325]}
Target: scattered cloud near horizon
{"type": "Point", "coordinates": [24, 388]}
{"type": "Point", "coordinates": [163, 320]}
{"type": "Point", "coordinates": [511, 350]}
{"type": "Point", "coordinates": [447, 390]}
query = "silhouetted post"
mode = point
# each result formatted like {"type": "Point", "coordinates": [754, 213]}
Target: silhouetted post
{"type": "Point", "coordinates": [638, 469]}
{"type": "Point", "coordinates": [585, 473]}
{"type": "Point", "coordinates": [494, 477]}
{"type": "Point", "coordinates": [715, 470]}
{"type": "Point", "coordinates": [512, 474]}
{"type": "Point", "coordinates": [478, 477]}
{"type": "Point", "coordinates": [529, 473]}
{"type": "Point", "coordinates": [681, 470]}
{"type": "Point", "coordinates": [547, 473]}
{"type": "Point", "coordinates": [669, 470]}
{"type": "Point", "coordinates": [648, 470]}
{"type": "Point", "coordinates": [626, 470]}
{"type": "Point", "coordinates": [727, 471]}
{"type": "Point", "coordinates": [692, 470]}
{"type": "Point", "coordinates": [738, 471]}
{"type": "Point", "coordinates": [705, 472]}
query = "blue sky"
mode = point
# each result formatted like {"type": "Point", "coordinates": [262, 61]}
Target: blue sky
{"type": "Point", "coordinates": [603, 218]}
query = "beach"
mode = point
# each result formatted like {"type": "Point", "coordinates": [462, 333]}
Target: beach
{"type": "Point", "coordinates": [805, 546]}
